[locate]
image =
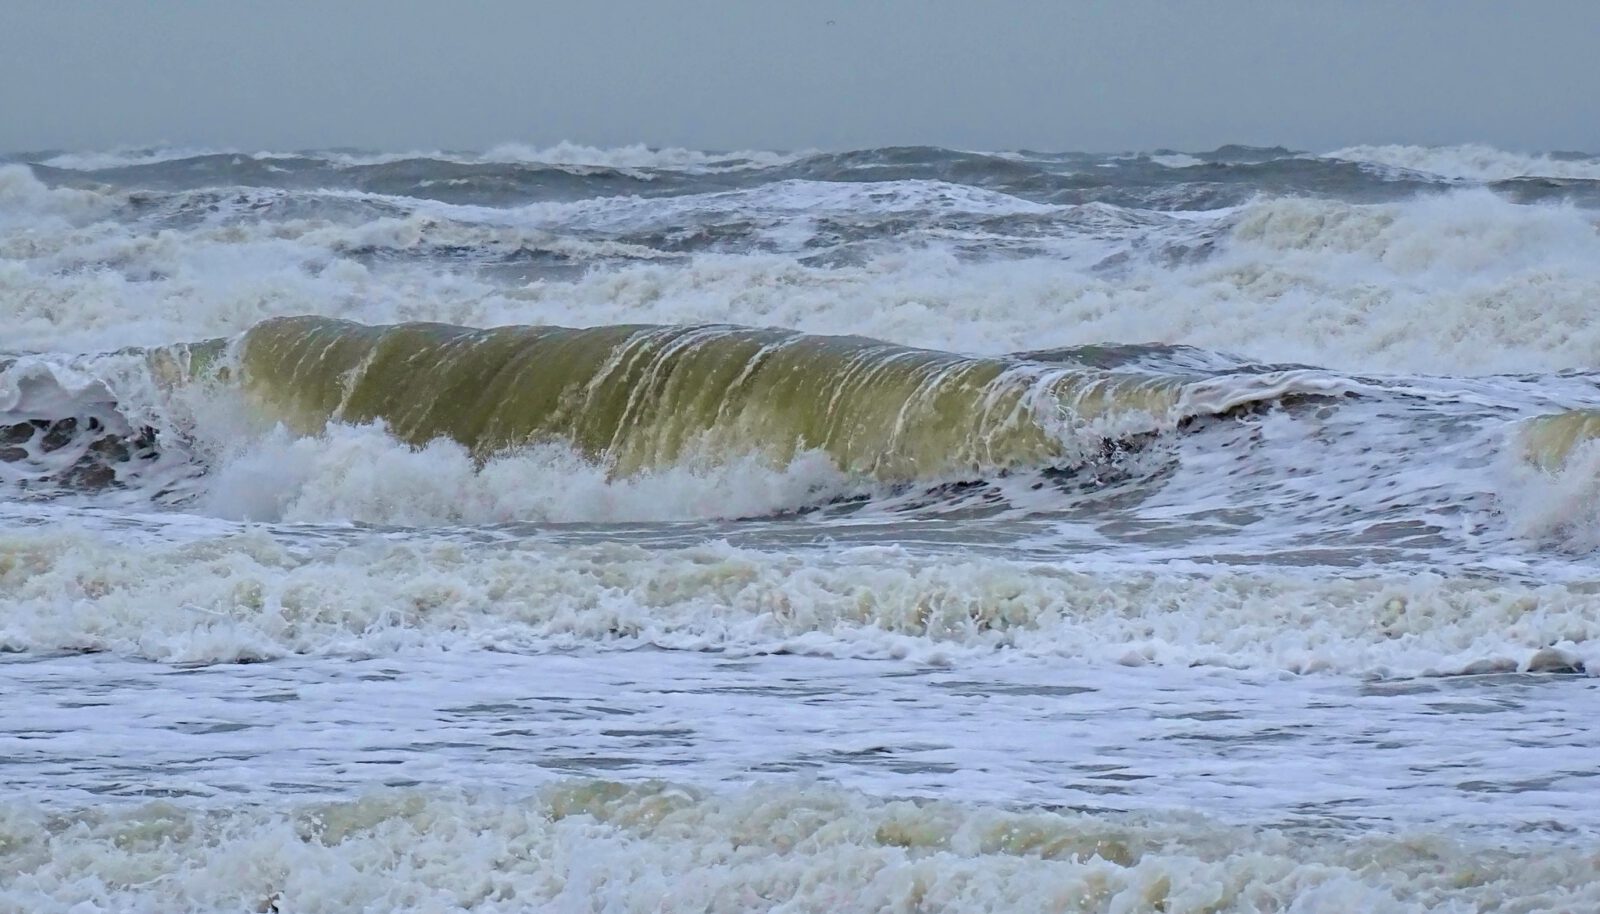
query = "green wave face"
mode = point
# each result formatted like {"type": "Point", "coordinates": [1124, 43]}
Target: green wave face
{"type": "Point", "coordinates": [645, 396]}
{"type": "Point", "coordinates": [1548, 441]}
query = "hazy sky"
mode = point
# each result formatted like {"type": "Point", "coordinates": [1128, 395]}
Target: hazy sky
{"type": "Point", "coordinates": [826, 74]}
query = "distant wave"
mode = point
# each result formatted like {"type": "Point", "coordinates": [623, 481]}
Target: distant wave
{"type": "Point", "coordinates": [1473, 162]}
{"type": "Point", "coordinates": [636, 155]}
{"type": "Point", "coordinates": [1166, 180]}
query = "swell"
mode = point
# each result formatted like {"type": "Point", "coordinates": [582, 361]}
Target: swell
{"type": "Point", "coordinates": [1227, 176]}
{"type": "Point", "coordinates": [640, 396]}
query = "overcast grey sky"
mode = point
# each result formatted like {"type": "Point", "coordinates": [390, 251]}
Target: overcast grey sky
{"type": "Point", "coordinates": [828, 74]}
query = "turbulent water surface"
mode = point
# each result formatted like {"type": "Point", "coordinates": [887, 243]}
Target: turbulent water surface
{"type": "Point", "coordinates": [900, 529]}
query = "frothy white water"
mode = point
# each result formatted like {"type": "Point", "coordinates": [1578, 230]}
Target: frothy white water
{"type": "Point", "coordinates": [35, 387]}
{"type": "Point", "coordinates": [1553, 493]}
{"type": "Point", "coordinates": [1461, 284]}
{"type": "Point", "coordinates": [29, 208]}
{"type": "Point", "coordinates": [1177, 160]}
{"type": "Point", "coordinates": [637, 155]}
{"type": "Point", "coordinates": [362, 474]}
{"type": "Point", "coordinates": [224, 598]}
{"type": "Point", "coordinates": [794, 200]}
{"type": "Point", "coordinates": [1464, 283]}
{"type": "Point", "coordinates": [1472, 162]}
{"type": "Point", "coordinates": [589, 846]}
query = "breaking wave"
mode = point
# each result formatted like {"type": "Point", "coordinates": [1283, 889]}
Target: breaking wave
{"type": "Point", "coordinates": [639, 397]}
{"type": "Point", "coordinates": [316, 418]}
{"type": "Point", "coordinates": [366, 475]}
{"type": "Point", "coordinates": [1555, 491]}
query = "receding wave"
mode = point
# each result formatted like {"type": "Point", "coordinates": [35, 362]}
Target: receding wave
{"type": "Point", "coordinates": [648, 396]}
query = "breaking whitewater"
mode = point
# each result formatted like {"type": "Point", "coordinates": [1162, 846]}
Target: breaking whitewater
{"type": "Point", "coordinates": [900, 529]}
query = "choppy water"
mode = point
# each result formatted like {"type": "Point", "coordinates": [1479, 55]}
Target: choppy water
{"type": "Point", "coordinates": [901, 529]}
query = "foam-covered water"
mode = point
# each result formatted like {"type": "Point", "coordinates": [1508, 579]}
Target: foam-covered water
{"type": "Point", "coordinates": [908, 528]}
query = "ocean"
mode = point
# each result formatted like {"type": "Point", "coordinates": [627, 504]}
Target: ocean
{"type": "Point", "coordinates": [903, 529]}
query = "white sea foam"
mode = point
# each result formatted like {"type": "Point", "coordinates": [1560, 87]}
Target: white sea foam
{"type": "Point", "coordinates": [637, 156]}
{"type": "Point", "coordinates": [1550, 469]}
{"type": "Point", "coordinates": [1464, 283]}
{"type": "Point", "coordinates": [1177, 160]}
{"type": "Point", "coordinates": [589, 845]}
{"type": "Point", "coordinates": [933, 199]}
{"type": "Point", "coordinates": [362, 474]}
{"type": "Point", "coordinates": [1472, 162]}
{"type": "Point", "coordinates": [1560, 506]}
{"type": "Point", "coordinates": [34, 387]}
{"type": "Point", "coordinates": [223, 598]}
{"type": "Point", "coordinates": [28, 206]}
